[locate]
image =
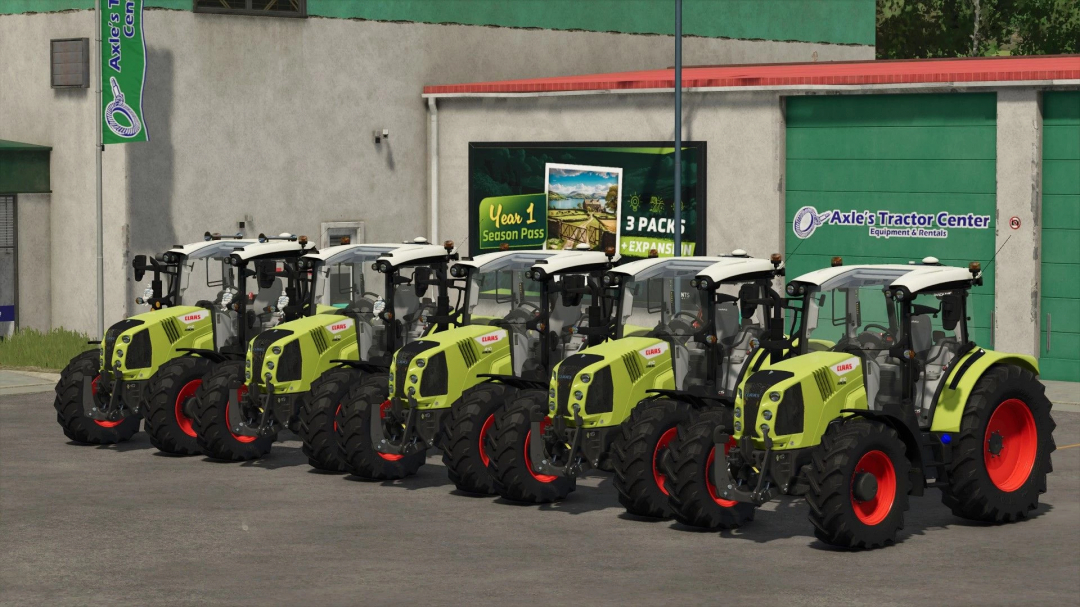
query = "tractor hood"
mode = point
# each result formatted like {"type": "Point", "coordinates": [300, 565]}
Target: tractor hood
{"type": "Point", "coordinates": [435, 369]}
{"type": "Point", "coordinates": [793, 396]}
{"type": "Point", "coordinates": [143, 342]}
{"type": "Point", "coordinates": [608, 377]}
{"type": "Point", "coordinates": [291, 352]}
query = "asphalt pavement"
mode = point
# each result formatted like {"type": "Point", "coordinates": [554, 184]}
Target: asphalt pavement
{"type": "Point", "coordinates": [126, 525]}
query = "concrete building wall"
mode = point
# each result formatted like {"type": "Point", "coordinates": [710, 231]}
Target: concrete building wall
{"type": "Point", "coordinates": [35, 286]}
{"type": "Point", "coordinates": [744, 131]}
{"type": "Point", "coordinates": [271, 120]}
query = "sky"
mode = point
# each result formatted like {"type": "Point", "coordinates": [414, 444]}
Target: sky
{"type": "Point", "coordinates": [565, 181]}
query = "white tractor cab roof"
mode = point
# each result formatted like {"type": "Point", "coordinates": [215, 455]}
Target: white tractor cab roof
{"type": "Point", "coordinates": [741, 268]}
{"type": "Point", "coordinates": [270, 248]}
{"type": "Point", "coordinates": [656, 265]}
{"type": "Point", "coordinates": [915, 278]}
{"type": "Point", "coordinates": [572, 261]}
{"type": "Point", "coordinates": [416, 254]}
{"type": "Point", "coordinates": [488, 262]}
{"type": "Point", "coordinates": [211, 248]}
{"type": "Point", "coordinates": [345, 253]}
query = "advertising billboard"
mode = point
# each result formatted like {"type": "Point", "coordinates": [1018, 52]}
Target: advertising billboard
{"type": "Point", "coordinates": [562, 195]}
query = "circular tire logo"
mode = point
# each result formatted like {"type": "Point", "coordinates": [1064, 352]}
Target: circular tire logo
{"type": "Point", "coordinates": [806, 221]}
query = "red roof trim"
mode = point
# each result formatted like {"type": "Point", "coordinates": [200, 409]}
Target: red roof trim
{"type": "Point", "coordinates": [976, 69]}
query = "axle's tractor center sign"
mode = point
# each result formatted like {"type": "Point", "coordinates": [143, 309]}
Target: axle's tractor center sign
{"type": "Point", "coordinates": [888, 224]}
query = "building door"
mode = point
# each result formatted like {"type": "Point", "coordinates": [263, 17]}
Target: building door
{"type": "Point", "coordinates": [1059, 326]}
{"type": "Point", "coordinates": [8, 266]}
{"type": "Point", "coordinates": [869, 176]}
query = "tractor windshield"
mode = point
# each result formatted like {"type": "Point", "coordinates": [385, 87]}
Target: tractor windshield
{"type": "Point", "coordinates": [499, 292]}
{"type": "Point", "coordinates": [347, 281]}
{"type": "Point", "coordinates": [659, 301]}
{"type": "Point", "coordinates": [205, 277]}
{"type": "Point", "coordinates": [851, 313]}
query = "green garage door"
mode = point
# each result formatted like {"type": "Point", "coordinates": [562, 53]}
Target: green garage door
{"type": "Point", "coordinates": [1060, 303]}
{"type": "Point", "coordinates": [891, 179]}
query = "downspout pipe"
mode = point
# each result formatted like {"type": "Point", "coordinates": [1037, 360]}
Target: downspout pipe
{"type": "Point", "coordinates": [433, 167]}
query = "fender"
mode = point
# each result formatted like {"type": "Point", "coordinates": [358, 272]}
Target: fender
{"type": "Point", "coordinates": [515, 382]}
{"type": "Point", "coordinates": [697, 401]}
{"type": "Point", "coordinates": [368, 367]}
{"type": "Point", "coordinates": [948, 409]}
{"type": "Point", "coordinates": [912, 443]}
{"type": "Point", "coordinates": [211, 355]}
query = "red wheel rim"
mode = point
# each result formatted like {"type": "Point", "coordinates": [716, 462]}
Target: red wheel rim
{"type": "Point", "coordinates": [874, 510]}
{"type": "Point", "coordinates": [543, 478]}
{"type": "Point", "coordinates": [241, 392]}
{"type": "Point", "coordinates": [1012, 424]}
{"type": "Point", "coordinates": [665, 440]}
{"type": "Point", "coordinates": [101, 422]}
{"type": "Point", "coordinates": [390, 457]}
{"type": "Point", "coordinates": [713, 493]}
{"type": "Point", "coordinates": [187, 392]}
{"type": "Point", "coordinates": [488, 423]}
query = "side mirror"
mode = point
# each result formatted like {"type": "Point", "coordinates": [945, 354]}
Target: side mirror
{"type": "Point", "coordinates": [951, 312]}
{"type": "Point", "coordinates": [266, 273]}
{"type": "Point", "coordinates": [139, 264]}
{"type": "Point", "coordinates": [421, 280]}
{"type": "Point", "coordinates": [573, 287]}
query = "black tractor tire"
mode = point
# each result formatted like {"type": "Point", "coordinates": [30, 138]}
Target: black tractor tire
{"type": "Point", "coordinates": [849, 453]}
{"type": "Point", "coordinates": [69, 407]}
{"type": "Point", "coordinates": [693, 499]}
{"type": "Point", "coordinates": [639, 450]}
{"type": "Point", "coordinates": [1009, 406]}
{"type": "Point", "coordinates": [508, 443]}
{"type": "Point", "coordinates": [471, 420]}
{"type": "Point", "coordinates": [354, 436]}
{"type": "Point", "coordinates": [211, 421]}
{"type": "Point", "coordinates": [318, 417]}
{"type": "Point", "coordinates": [170, 402]}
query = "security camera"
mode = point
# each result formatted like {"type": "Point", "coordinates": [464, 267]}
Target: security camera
{"type": "Point", "coordinates": [381, 134]}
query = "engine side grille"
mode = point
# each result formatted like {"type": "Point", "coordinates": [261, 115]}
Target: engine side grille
{"type": "Point", "coordinates": [633, 366]}
{"type": "Point", "coordinates": [319, 337]}
{"type": "Point", "coordinates": [601, 393]}
{"type": "Point", "coordinates": [140, 353]}
{"type": "Point", "coordinates": [172, 330]}
{"type": "Point", "coordinates": [468, 352]}
{"type": "Point", "coordinates": [824, 383]}
{"type": "Point", "coordinates": [754, 390]}
{"type": "Point", "coordinates": [113, 334]}
{"type": "Point", "coordinates": [789, 415]}
{"type": "Point", "coordinates": [435, 376]}
{"type": "Point", "coordinates": [565, 374]}
{"type": "Point", "coordinates": [404, 357]}
{"type": "Point", "coordinates": [290, 363]}
{"type": "Point", "coordinates": [260, 345]}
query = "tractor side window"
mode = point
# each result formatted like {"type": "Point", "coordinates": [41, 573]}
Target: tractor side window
{"type": "Point", "coordinates": [937, 332]}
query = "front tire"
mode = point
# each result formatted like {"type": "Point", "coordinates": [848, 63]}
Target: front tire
{"type": "Point", "coordinates": [171, 404]}
{"type": "Point", "coordinates": [693, 496]}
{"type": "Point", "coordinates": [1002, 455]}
{"type": "Point", "coordinates": [471, 420]}
{"type": "Point", "coordinates": [641, 445]}
{"type": "Point", "coordinates": [69, 405]}
{"type": "Point", "coordinates": [318, 418]}
{"type": "Point", "coordinates": [859, 485]}
{"type": "Point", "coordinates": [354, 436]}
{"type": "Point", "coordinates": [211, 420]}
{"type": "Point", "coordinates": [511, 466]}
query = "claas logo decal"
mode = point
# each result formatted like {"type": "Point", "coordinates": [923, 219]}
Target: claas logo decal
{"type": "Point", "coordinates": [490, 338]}
{"type": "Point", "coordinates": [846, 366]}
{"type": "Point", "coordinates": [340, 326]}
{"type": "Point", "coordinates": [193, 316]}
{"type": "Point", "coordinates": [654, 351]}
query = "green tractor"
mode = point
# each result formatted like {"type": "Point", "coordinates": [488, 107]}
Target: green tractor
{"type": "Point", "coordinates": [524, 311]}
{"type": "Point", "coordinates": [228, 321]}
{"type": "Point", "coordinates": [615, 406]}
{"type": "Point", "coordinates": [888, 396]}
{"type": "Point", "coordinates": [376, 298]}
{"type": "Point", "coordinates": [104, 404]}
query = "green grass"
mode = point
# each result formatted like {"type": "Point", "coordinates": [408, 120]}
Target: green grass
{"type": "Point", "coordinates": [34, 349]}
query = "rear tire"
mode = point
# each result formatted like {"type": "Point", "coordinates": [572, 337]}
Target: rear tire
{"type": "Point", "coordinates": [643, 441]}
{"type": "Point", "coordinates": [171, 399]}
{"type": "Point", "coordinates": [510, 465]}
{"type": "Point", "coordinates": [318, 417]}
{"type": "Point", "coordinates": [211, 421]}
{"type": "Point", "coordinates": [1007, 412]}
{"type": "Point", "coordinates": [69, 406]}
{"type": "Point", "coordinates": [354, 436]}
{"type": "Point", "coordinates": [693, 498]}
{"type": "Point", "coordinates": [471, 420]}
{"type": "Point", "coordinates": [851, 454]}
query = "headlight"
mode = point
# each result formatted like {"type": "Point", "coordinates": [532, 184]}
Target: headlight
{"type": "Point", "coordinates": [551, 393]}
{"type": "Point", "coordinates": [738, 412]}
{"type": "Point", "coordinates": [585, 378]}
{"type": "Point", "coordinates": [607, 279]}
{"type": "Point", "coordinates": [766, 414]}
{"type": "Point", "coordinates": [577, 408]}
{"type": "Point", "coordinates": [126, 339]}
{"type": "Point", "coordinates": [551, 405]}
{"type": "Point", "coordinates": [412, 390]}
{"type": "Point", "coordinates": [282, 302]}
{"type": "Point", "coordinates": [412, 378]}
{"type": "Point", "coordinates": [774, 397]}
{"type": "Point", "coordinates": [248, 375]}
{"type": "Point", "coordinates": [421, 363]}
{"type": "Point", "coordinates": [578, 395]}
{"type": "Point", "coordinates": [270, 365]}
{"type": "Point", "coordinates": [384, 266]}
{"type": "Point", "coordinates": [119, 353]}
{"type": "Point", "coordinates": [899, 294]}
{"type": "Point", "coordinates": [791, 289]}
{"type": "Point", "coordinates": [738, 426]}
{"type": "Point", "coordinates": [276, 350]}
{"type": "Point", "coordinates": [247, 363]}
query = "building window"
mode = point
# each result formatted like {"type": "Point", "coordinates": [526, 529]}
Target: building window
{"type": "Point", "coordinates": [272, 8]}
{"type": "Point", "coordinates": [342, 232]}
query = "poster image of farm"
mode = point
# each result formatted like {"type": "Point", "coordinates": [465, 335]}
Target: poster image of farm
{"type": "Point", "coordinates": [583, 206]}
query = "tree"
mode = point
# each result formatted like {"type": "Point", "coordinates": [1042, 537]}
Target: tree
{"type": "Point", "coordinates": [1050, 27]}
{"type": "Point", "coordinates": [908, 29]}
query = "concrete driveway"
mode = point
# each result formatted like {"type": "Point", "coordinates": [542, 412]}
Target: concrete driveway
{"type": "Point", "coordinates": [125, 525]}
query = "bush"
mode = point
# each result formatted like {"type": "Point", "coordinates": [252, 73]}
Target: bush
{"type": "Point", "coordinates": [52, 350]}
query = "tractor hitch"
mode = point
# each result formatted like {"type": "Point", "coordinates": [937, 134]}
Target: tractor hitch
{"type": "Point", "coordinates": [237, 419]}
{"type": "Point", "coordinates": [120, 393]}
{"type": "Point", "coordinates": [573, 461]}
{"type": "Point", "coordinates": [420, 429]}
{"type": "Point", "coordinates": [727, 487]}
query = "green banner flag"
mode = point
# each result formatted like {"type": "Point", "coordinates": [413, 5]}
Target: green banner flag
{"type": "Point", "coordinates": [123, 71]}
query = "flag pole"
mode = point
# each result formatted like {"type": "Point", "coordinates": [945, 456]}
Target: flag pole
{"type": "Point", "coordinates": [678, 128]}
{"type": "Point", "coordinates": [98, 149]}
